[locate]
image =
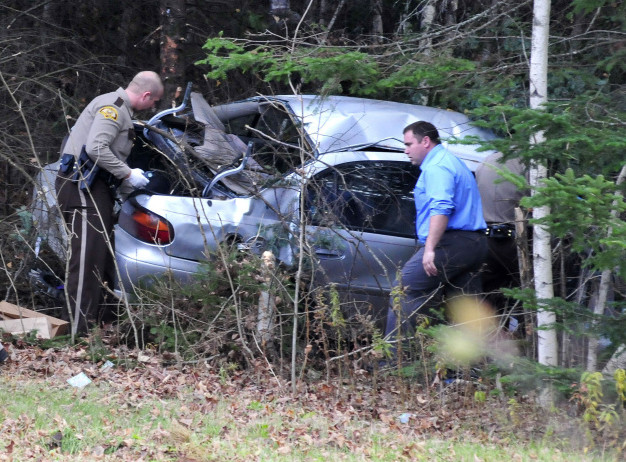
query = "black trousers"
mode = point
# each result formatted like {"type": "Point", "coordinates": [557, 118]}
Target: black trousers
{"type": "Point", "coordinates": [502, 268]}
{"type": "Point", "coordinates": [88, 215]}
{"type": "Point", "coordinates": [458, 258]}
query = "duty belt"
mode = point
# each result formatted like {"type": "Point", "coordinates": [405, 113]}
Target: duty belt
{"type": "Point", "coordinates": [85, 171]}
{"type": "Point", "coordinates": [502, 231]}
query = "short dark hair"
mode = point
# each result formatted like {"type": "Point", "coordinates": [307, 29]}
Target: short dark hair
{"type": "Point", "coordinates": [421, 129]}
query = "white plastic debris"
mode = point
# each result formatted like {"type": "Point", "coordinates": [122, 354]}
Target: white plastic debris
{"type": "Point", "coordinates": [79, 381]}
{"type": "Point", "coordinates": [106, 366]}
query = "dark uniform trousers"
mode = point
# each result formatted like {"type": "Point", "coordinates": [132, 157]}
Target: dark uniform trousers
{"type": "Point", "coordinates": [88, 215]}
{"type": "Point", "coordinates": [502, 267]}
{"type": "Point", "coordinates": [458, 258]}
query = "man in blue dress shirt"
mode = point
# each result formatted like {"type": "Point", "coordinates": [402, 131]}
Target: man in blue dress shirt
{"type": "Point", "coordinates": [450, 228]}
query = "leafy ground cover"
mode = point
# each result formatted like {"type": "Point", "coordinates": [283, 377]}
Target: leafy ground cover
{"type": "Point", "coordinates": [150, 407]}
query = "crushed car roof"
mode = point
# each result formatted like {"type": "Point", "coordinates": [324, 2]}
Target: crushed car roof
{"type": "Point", "coordinates": [338, 123]}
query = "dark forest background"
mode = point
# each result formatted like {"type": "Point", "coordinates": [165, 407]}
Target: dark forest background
{"type": "Point", "coordinates": [56, 55]}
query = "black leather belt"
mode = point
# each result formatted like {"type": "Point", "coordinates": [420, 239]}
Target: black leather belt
{"type": "Point", "coordinates": [482, 231]}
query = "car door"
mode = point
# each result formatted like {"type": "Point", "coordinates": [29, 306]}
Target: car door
{"type": "Point", "coordinates": [362, 217]}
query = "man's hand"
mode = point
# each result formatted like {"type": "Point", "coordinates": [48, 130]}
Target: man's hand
{"type": "Point", "coordinates": [136, 178]}
{"type": "Point", "coordinates": [429, 262]}
{"type": "Point", "coordinates": [436, 228]}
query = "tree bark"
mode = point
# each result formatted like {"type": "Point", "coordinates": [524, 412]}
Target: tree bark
{"type": "Point", "coordinates": [450, 12]}
{"type": "Point", "coordinates": [323, 12]}
{"type": "Point", "coordinates": [332, 21]}
{"type": "Point", "coordinates": [267, 303]}
{"type": "Point", "coordinates": [525, 270]}
{"type": "Point", "coordinates": [603, 290]}
{"type": "Point", "coordinates": [617, 361]}
{"type": "Point", "coordinates": [428, 17]}
{"type": "Point", "coordinates": [127, 17]}
{"type": "Point", "coordinates": [377, 21]}
{"type": "Point", "coordinates": [547, 351]}
{"type": "Point", "coordinates": [173, 19]}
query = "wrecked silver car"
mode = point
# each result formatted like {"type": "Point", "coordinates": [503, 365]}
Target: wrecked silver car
{"type": "Point", "coordinates": [256, 173]}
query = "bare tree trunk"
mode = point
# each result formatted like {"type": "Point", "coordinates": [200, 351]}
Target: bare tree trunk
{"type": "Point", "coordinates": [617, 361]}
{"type": "Point", "coordinates": [428, 17]}
{"type": "Point", "coordinates": [173, 18]}
{"type": "Point", "coordinates": [450, 12]}
{"type": "Point", "coordinates": [332, 20]}
{"type": "Point", "coordinates": [267, 305]}
{"type": "Point", "coordinates": [547, 352]}
{"type": "Point", "coordinates": [603, 290]}
{"type": "Point", "coordinates": [323, 12]}
{"type": "Point", "coordinates": [598, 304]}
{"type": "Point", "coordinates": [127, 17]}
{"type": "Point", "coordinates": [525, 270]}
{"type": "Point", "coordinates": [403, 26]}
{"type": "Point", "coordinates": [377, 21]}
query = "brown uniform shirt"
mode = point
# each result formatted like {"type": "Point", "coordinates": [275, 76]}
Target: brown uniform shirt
{"type": "Point", "coordinates": [499, 197]}
{"type": "Point", "coordinates": [105, 128]}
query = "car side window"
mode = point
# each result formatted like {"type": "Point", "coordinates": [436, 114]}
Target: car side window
{"type": "Point", "coordinates": [374, 196]}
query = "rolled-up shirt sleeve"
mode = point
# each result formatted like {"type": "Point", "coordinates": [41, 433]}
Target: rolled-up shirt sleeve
{"type": "Point", "coordinates": [439, 182]}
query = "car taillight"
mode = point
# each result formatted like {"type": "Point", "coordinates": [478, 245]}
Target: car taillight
{"type": "Point", "coordinates": [146, 226]}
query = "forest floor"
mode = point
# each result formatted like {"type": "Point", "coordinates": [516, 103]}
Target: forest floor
{"type": "Point", "coordinates": [147, 406]}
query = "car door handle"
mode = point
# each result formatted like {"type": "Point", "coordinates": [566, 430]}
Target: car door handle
{"type": "Point", "coordinates": [328, 254]}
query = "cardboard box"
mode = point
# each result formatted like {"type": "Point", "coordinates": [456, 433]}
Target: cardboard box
{"type": "Point", "coordinates": [18, 320]}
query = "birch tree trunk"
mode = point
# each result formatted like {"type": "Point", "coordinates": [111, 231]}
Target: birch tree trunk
{"type": "Point", "coordinates": [617, 361]}
{"type": "Point", "coordinates": [542, 254]}
{"type": "Point", "coordinates": [603, 290]}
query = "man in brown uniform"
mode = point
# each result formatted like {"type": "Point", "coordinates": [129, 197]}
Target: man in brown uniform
{"type": "Point", "coordinates": [93, 163]}
{"type": "Point", "coordinates": [499, 199]}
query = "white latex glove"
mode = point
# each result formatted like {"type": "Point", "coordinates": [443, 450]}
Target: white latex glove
{"type": "Point", "coordinates": [136, 178]}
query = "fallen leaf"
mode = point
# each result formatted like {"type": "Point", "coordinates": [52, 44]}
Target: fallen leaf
{"type": "Point", "coordinates": [186, 422]}
{"type": "Point", "coordinates": [55, 440]}
{"type": "Point", "coordinates": [98, 452]}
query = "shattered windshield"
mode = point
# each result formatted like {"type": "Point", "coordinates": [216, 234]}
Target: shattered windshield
{"type": "Point", "coordinates": [278, 145]}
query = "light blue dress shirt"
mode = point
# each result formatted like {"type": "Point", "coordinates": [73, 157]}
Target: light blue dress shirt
{"type": "Point", "coordinates": [446, 187]}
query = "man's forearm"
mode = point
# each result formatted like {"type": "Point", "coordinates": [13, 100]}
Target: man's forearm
{"type": "Point", "coordinates": [438, 225]}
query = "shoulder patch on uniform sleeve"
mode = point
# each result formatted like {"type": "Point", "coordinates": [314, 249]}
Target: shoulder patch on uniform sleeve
{"type": "Point", "coordinates": [119, 102]}
{"type": "Point", "coordinates": [109, 112]}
